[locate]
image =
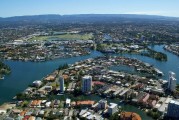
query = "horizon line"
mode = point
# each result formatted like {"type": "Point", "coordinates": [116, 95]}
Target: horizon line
{"type": "Point", "coordinates": [90, 14]}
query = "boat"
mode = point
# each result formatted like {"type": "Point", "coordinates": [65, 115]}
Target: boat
{"type": "Point", "coordinates": [14, 98]}
{"type": "Point", "coordinates": [2, 78]}
{"type": "Point", "coordinates": [121, 102]}
{"type": "Point", "coordinates": [159, 73]}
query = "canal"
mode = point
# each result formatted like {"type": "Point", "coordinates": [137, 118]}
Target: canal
{"type": "Point", "coordinates": [24, 73]}
{"type": "Point", "coordinates": [172, 64]}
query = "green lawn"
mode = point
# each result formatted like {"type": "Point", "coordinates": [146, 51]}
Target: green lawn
{"type": "Point", "coordinates": [65, 37]}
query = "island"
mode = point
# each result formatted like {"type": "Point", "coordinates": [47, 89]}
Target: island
{"type": "Point", "coordinates": [4, 70]}
{"type": "Point", "coordinates": [111, 47]}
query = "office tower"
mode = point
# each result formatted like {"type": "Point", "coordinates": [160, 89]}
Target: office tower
{"type": "Point", "coordinates": [86, 83]}
{"type": "Point", "coordinates": [61, 84]}
{"type": "Point", "coordinates": [172, 81]}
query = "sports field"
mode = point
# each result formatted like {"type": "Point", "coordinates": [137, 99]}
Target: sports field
{"type": "Point", "coordinates": [65, 37]}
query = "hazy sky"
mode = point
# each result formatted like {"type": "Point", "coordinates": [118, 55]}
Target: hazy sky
{"type": "Point", "coordinates": [36, 7]}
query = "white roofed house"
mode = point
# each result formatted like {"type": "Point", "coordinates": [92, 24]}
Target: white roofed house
{"type": "Point", "coordinates": [37, 83]}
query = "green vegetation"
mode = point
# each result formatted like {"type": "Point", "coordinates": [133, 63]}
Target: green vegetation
{"type": "Point", "coordinates": [101, 47]}
{"type": "Point", "coordinates": [156, 55]}
{"type": "Point", "coordinates": [4, 69]}
{"type": "Point", "coordinates": [176, 92]}
{"type": "Point", "coordinates": [154, 113]}
{"type": "Point", "coordinates": [55, 85]}
{"type": "Point", "coordinates": [67, 36]}
{"type": "Point", "coordinates": [62, 67]}
{"type": "Point", "coordinates": [51, 116]}
{"type": "Point", "coordinates": [177, 87]}
{"type": "Point", "coordinates": [21, 96]}
{"type": "Point", "coordinates": [25, 103]}
{"type": "Point", "coordinates": [115, 117]}
{"type": "Point", "coordinates": [77, 92]}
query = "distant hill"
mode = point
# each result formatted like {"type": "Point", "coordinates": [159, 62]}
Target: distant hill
{"type": "Point", "coordinates": [85, 18]}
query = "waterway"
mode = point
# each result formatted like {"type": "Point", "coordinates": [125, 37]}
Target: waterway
{"type": "Point", "coordinates": [24, 73]}
{"type": "Point", "coordinates": [172, 64]}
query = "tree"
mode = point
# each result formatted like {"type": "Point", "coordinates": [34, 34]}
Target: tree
{"type": "Point", "coordinates": [25, 104]}
{"type": "Point", "coordinates": [115, 116]}
{"type": "Point", "coordinates": [64, 66]}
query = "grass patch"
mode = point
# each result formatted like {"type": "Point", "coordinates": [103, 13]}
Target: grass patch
{"type": "Point", "coordinates": [67, 36]}
{"type": "Point", "coordinates": [54, 84]}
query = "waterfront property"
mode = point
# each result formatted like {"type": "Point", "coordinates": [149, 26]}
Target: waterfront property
{"type": "Point", "coordinates": [92, 76]}
{"type": "Point", "coordinates": [172, 81]}
{"type": "Point", "coordinates": [174, 48]}
{"type": "Point", "coordinates": [53, 66]}
{"type": "Point", "coordinates": [39, 51]}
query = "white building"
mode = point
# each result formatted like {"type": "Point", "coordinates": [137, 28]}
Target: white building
{"type": "Point", "coordinates": [37, 83]}
{"type": "Point", "coordinates": [86, 84]}
{"type": "Point", "coordinates": [61, 79]}
{"type": "Point", "coordinates": [47, 104]}
{"type": "Point", "coordinates": [112, 108]}
{"type": "Point", "coordinates": [173, 109]}
{"type": "Point", "coordinates": [68, 102]}
{"type": "Point", "coordinates": [48, 88]}
{"type": "Point", "coordinates": [172, 81]}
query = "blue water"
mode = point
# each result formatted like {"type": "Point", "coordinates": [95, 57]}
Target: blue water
{"type": "Point", "coordinates": [23, 73]}
{"type": "Point", "coordinates": [171, 65]}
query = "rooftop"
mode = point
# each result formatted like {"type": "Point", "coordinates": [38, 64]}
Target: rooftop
{"type": "Point", "coordinates": [68, 100]}
{"type": "Point", "coordinates": [130, 116]}
{"type": "Point", "coordinates": [174, 102]}
{"type": "Point", "coordinates": [112, 105]}
{"type": "Point", "coordinates": [87, 102]}
{"type": "Point", "coordinates": [87, 77]}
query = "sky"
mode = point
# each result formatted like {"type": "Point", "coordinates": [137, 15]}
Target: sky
{"type": "Point", "coordinates": [10, 8]}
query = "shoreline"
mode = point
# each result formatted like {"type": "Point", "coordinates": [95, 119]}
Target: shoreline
{"type": "Point", "coordinates": [69, 93]}
{"type": "Point", "coordinates": [49, 73]}
{"type": "Point", "coordinates": [35, 60]}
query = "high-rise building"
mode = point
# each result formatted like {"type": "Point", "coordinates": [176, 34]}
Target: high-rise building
{"type": "Point", "coordinates": [173, 109]}
{"type": "Point", "coordinates": [102, 104]}
{"type": "Point", "coordinates": [172, 81]}
{"type": "Point", "coordinates": [86, 83]}
{"type": "Point", "coordinates": [61, 79]}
